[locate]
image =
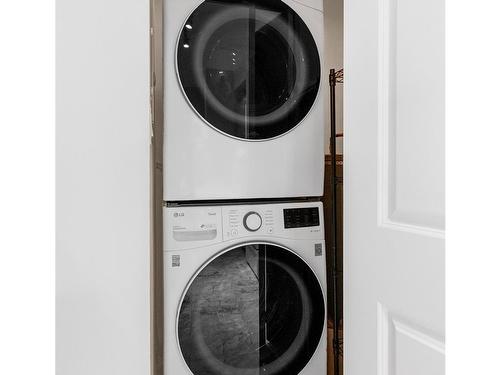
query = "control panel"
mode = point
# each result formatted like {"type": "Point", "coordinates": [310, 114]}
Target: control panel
{"type": "Point", "coordinates": [189, 227]}
{"type": "Point", "coordinates": [286, 220]}
{"type": "Point", "coordinates": [245, 220]}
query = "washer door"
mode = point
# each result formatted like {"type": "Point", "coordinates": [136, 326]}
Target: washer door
{"type": "Point", "coordinates": [255, 309]}
{"type": "Point", "coordinates": [251, 69]}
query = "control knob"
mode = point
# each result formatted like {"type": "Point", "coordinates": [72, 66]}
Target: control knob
{"type": "Point", "coordinates": [252, 221]}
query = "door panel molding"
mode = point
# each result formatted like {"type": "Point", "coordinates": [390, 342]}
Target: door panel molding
{"type": "Point", "coordinates": [406, 201]}
{"type": "Point", "coordinates": [396, 336]}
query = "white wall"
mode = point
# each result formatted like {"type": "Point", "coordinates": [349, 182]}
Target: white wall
{"type": "Point", "coordinates": [334, 57]}
{"type": "Point", "coordinates": [102, 187]}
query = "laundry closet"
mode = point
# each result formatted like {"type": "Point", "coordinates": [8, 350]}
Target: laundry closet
{"type": "Point", "coordinates": [200, 202]}
{"type": "Point", "coordinates": [244, 281]}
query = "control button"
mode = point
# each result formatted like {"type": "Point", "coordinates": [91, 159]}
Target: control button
{"type": "Point", "coordinates": [234, 232]}
{"type": "Point", "coordinates": [270, 230]}
{"type": "Point", "coordinates": [252, 221]}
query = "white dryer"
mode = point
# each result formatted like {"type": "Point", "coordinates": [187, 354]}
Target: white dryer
{"type": "Point", "coordinates": [245, 290]}
{"type": "Point", "coordinates": [244, 114]}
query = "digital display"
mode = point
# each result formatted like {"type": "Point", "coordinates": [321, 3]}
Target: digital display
{"type": "Point", "coordinates": [301, 217]}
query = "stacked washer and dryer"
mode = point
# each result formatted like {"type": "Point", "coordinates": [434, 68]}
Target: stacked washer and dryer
{"type": "Point", "coordinates": [245, 272]}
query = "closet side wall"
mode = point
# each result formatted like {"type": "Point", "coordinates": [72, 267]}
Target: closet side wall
{"type": "Point", "coordinates": [103, 174]}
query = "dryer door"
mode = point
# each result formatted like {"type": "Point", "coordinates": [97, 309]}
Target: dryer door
{"type": "Point", "coordinates": [250, 69]}
{"type": "Point", "coordinates": [254, 309]}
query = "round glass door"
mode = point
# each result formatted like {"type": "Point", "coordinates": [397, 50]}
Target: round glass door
{"type": "Point", "coordinates": [255, 309]}
{"type": "Point", "coordinates": [250, 69]}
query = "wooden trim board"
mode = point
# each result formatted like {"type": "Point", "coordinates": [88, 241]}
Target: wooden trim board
{"type": "Point", "coordinates": [156, 102]}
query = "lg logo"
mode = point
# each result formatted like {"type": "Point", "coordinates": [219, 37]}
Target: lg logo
{"type": "Point", "coordinates": [178, 214]}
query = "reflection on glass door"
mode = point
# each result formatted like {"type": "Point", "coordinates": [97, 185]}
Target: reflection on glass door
{"type": "Point", "coordinates": [251, 69]}
{"type": "Point", "coordinates": [256, 309]}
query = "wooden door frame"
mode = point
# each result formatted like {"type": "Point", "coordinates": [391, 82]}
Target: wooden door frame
{"type": "Point", "coordinates": [157, 116]}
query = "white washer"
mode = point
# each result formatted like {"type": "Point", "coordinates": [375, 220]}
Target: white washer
{"type": "Point", "coordinates": [245, 290]}
{"type": "Point", "coordinates": [244, 115]}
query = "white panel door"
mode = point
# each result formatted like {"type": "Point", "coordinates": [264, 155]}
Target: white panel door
{"type": "Point", "coordinates": [394, 184]}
